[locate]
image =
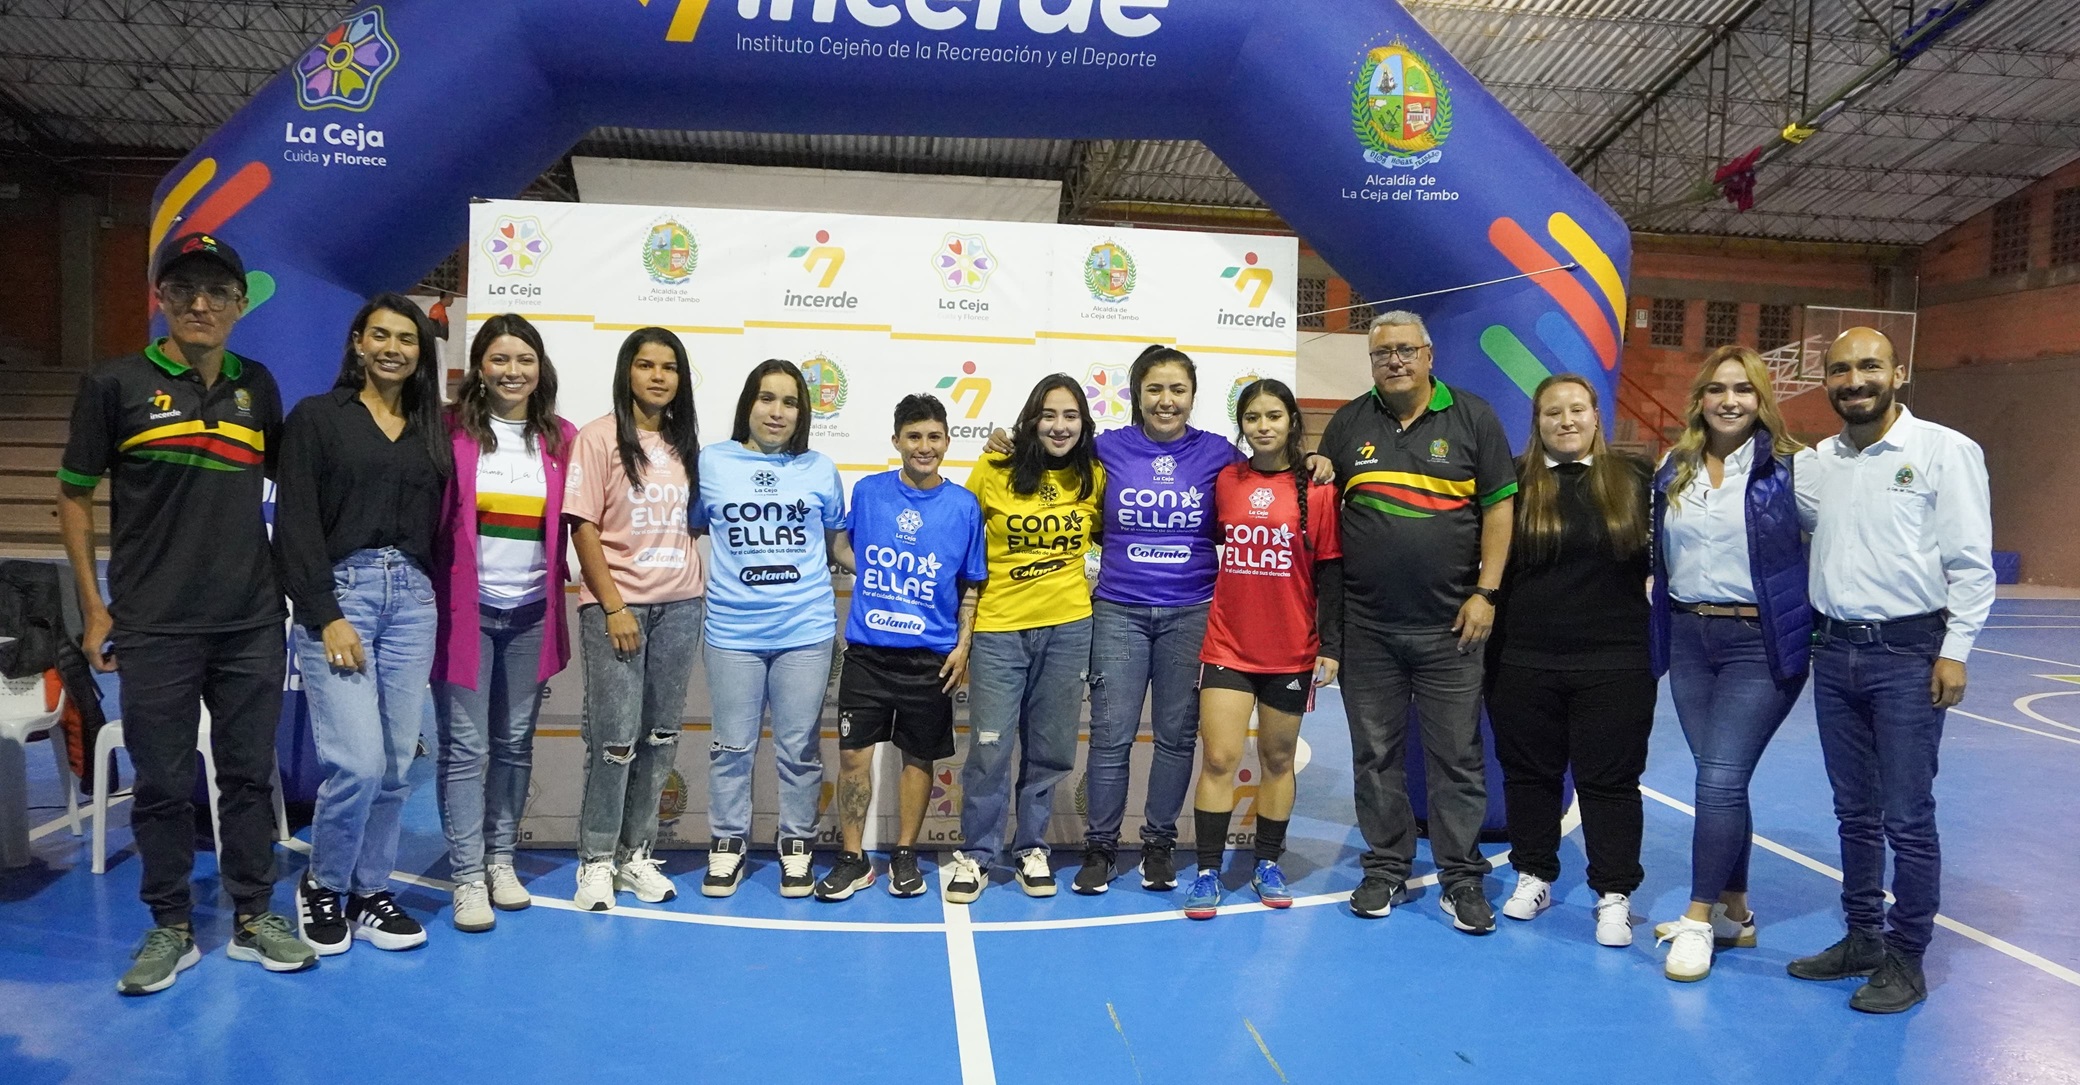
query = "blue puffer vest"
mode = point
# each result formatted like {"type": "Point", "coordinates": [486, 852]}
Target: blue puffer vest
{"type": "Point", "coordinates": [1776, 562]}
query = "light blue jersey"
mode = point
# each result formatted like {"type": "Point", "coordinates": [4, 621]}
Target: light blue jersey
{"type": "Point", "coordinates": [769, 579]}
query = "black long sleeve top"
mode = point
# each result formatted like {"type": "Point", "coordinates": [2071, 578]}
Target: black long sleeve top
{"type": "Point", "coordinates": [1583, 607]}
{"type": "Point", "coordinates": [344, 485]}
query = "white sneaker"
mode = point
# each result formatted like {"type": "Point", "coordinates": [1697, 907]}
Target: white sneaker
{"type": "Point", "coordinates": [507, 894]}
{"type": "Point", "coordinates": [1532, 896]}
{"type": "Point", "coordinates": [473, 908]}
{"type": "Point", "coordinates": [595, 885]}
{"type": "Point", "coordinates": [639, 874]}
{"type": "Point", "coordinates": [1689, 950]}
{"type": "Point", "coordinates": [1726, 933]}
{"type": "Point", "coordinates": [965, 879]}
{"type": "Point", "coordinates": [1035, 876]}
{"type": "Point", "coordinates": [1614, 919]}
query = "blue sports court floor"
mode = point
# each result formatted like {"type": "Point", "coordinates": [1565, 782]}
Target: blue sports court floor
{"type": "Point", "coordinates": [1118, 988]}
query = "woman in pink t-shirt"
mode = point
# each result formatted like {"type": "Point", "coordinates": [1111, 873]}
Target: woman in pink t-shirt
{"type": "Point", "coordinates": [633, 474]}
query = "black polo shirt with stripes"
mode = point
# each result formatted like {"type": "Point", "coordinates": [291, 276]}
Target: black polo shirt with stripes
{"type": "Point", "coordinates": [188, 469]}
{"type": "Point", "coordinates": [1412, 504]}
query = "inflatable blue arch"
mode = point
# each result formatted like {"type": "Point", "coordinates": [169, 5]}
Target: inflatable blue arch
{"type": "Point", "coordinates": [352, 171]}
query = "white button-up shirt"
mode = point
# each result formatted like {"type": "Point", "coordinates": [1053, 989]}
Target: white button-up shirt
{"type": "Point", "coordinates": [1706, 535]}
{"type": "Point", "coordinates": [1901, 528]}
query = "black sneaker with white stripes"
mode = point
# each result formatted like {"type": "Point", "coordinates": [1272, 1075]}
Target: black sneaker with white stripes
{"type": "Point", "coordinates": [321, 919]}
{"type": "Point", "coordinates": [904, 878]}
{"type": "Point", "coordinates": [378, 921]}
{"type": "Point", "coordinates": [1158, 865]}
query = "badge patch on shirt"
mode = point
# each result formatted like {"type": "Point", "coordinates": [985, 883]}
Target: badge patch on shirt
{"type": "Point", "coordinates": [1904, 478]}
{"type": "Point", "coordinates": [1365, 452]}
{"type": "Point", "coordinates": [243, 400]}
{"type": "Point", "coordinates": [1440, 450]}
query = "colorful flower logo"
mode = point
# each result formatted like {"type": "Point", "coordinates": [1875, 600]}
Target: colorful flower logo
{"type": "Point", "coordinates": [1109, 272]}
{"type": "Point", "coordinates": [827, 385]}
{"type": "Point", "coordinates": [964, 263]}
{"type": "Point", "coordinates": [945, 799]}
{"type": "Point", "coordinates": [670, 253]}
{"type": "Point", "coordinates": [1112, 398]}
{"type": "Point", "coordinates": [343, 70]}
{"type": "Point", "coordinates": [516, 245]}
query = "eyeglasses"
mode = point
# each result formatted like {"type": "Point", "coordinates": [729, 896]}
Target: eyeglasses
{"type": "Point", "coordinates": [178, 295]}
{"type": "Point", "coordinates": [1401, 353]}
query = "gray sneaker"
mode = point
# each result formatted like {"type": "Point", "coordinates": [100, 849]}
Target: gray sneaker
{"type": "Point", "coordinates": [269, 941]}
{"type": "Point", "coordinates": [507, 894]}
{"type": "Point", "coordinates": [165, 953]}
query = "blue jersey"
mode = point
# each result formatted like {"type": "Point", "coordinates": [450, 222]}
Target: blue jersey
{"type": "Point", "coordinates": [769, 578]}
{"type": "Point", "coordinates": [913, 548]}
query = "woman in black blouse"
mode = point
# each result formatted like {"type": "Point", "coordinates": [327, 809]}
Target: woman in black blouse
{"type": "Point", "coordinates": [1572, 689]}
{"type": "Point", "coordinates": [362, 469]}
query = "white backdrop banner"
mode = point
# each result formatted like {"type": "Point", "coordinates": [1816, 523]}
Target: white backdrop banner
{"type": "Point", "coordinates": [872, 308]}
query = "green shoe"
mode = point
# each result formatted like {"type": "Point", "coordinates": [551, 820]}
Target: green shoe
{"type": "Point", "coordinates": [163, 955]}
{"type": "Point", "coordinates": [269, 940]}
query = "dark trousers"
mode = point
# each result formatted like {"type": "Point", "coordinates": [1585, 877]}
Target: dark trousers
{"type": "Point", "coordinates": [167, 678]}
{"type": "Point", "coordinates": [1878, 734]}
{"type": "Point", "coordinates": [1595, 723]}
{"type": "Point", "coordinates": [1381, 673]}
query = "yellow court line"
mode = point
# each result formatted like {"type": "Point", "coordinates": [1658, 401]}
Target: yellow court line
{"type": "Point", "coordinates": [684, 329]}
{"type": "Point", "coordinates": [1097, 337]}
{"type": "Point", "coordinates": [1264, 351]}
{"type": "Point", "coordinates": [575, 318]}
{"type": "Point", "coordinates": [935, 337]}
{"type": "Point", "coordinates": [813, 326]}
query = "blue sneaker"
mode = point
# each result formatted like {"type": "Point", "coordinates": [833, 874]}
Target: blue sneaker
{"type": "Point", "coordinates": [1270, 884]}
{"type": "Point", "coordinates": [1203, 900]}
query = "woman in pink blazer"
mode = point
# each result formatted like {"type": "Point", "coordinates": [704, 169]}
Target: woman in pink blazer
{"type": "Point", "coordinates": [499, 577]}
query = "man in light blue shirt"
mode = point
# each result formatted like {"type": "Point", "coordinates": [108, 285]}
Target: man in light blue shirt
{"type": "Point", "coordinates": [919, 548]}
{"type": "Point", "coordinates": [1902, 578]}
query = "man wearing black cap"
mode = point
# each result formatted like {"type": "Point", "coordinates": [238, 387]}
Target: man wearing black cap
{"type": "Point", "coordinates": [186, 431]}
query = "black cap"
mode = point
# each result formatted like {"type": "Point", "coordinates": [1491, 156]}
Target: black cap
{"type": "Point", "coordinates": [200, 247]}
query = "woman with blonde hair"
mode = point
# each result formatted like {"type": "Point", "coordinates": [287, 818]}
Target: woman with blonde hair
{"type": "Point", "coordinates": [1731, 627]}
{"type": "Point", "coordinates": [1571, 687]}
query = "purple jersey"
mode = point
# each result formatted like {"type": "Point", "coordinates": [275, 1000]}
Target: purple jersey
{"type": "Point", "coordinates": [1160, 532]}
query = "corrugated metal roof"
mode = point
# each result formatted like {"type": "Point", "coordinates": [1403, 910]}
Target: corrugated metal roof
{"type": "Point", "coordinates": [1991, 108]}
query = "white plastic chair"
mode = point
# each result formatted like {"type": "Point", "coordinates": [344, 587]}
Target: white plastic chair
{"type": "Point", "coordinates": [111, 737]}
{"type": "Point", "coordinates": [23, 717]}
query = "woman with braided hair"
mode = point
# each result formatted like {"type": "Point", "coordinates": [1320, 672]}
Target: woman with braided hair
{"type": "Point", "coordinates": [1274, 633]}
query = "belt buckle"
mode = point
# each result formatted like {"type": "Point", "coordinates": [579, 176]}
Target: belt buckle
{"type": "Point", "coordinates": [1858, 633]}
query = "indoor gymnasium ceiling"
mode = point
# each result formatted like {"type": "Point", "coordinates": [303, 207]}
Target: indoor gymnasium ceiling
{"type": "Point", "coordinates": [1644, 98]}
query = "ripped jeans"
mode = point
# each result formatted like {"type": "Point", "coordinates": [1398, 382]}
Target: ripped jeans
{"type": "Point", "coordinates": [1025, 688]}
{"type": "Point", "coordinates": [742, 685]}
{"type": "Point", "coordinates": [633, 711]}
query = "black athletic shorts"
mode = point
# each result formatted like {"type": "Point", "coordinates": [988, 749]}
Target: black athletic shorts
{"type": "Point", "coordinates": [893, 694]}
{"type": "Point", "coordinates": [1292, 694]}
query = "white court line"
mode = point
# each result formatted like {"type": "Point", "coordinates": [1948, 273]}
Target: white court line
{"type": "Point", "coordinates": [2022, 705]}
{"type": "Point", "coordinates": [2048, 967]}
{"type": "Point", "coordinates": [970, 1023]}
{"type": "Point", "coordinates": [2034, 626]}
{"type": "Point", "coordinates": [86, 820]}
{"type": "Point", "coordinates": [2032, 659]}
{"type": "Point", "coordinates": [2014, 726]}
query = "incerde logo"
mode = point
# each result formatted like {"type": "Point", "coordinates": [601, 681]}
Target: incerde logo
{"type": "Point", "coordinates": [968, 391]}
{"type": "Point", "coordinates": [832, 257]}
{"type": "Point", "coordinates": [1249, 279]}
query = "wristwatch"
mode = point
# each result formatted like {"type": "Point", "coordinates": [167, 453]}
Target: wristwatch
{"type": "Point", "coordinates": [1487, 593]}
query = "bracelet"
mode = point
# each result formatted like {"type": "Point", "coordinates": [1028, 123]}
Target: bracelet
{"type": "Point", "coordinates": [617, 610]}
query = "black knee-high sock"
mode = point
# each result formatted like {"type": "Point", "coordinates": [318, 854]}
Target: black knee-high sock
{"type": "Point", "coordinates": [1212, 830]}
{"type": "Point", "coordinates": [1271, 837]}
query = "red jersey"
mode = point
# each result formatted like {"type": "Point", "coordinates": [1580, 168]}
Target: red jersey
{"type": "Point", "coordinates": [1263, 616]}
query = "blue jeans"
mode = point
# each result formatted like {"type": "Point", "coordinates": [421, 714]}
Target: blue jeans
{"type": "Point", "coordinates": [742, 685]}
{"type": "Point", "coordinates": [1025, 686]}
{"type": "Point", "coordinates": [1879, 734]}
{"type": "Point", "coordinates": [366, 723]}
{"type": "Point", "coordinates": [487, 739]}
{"type": "Point", "coordinates": [1133, 648]}
{"type": "Point", "coordinates": [1730, 706]}
{"type": "Point", "coordinates": [634, 709]}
